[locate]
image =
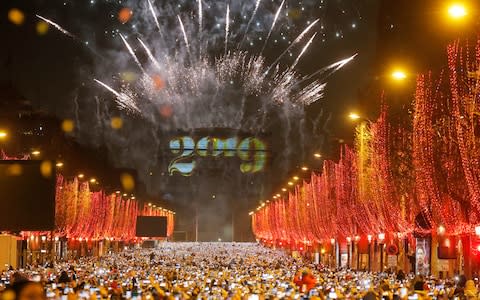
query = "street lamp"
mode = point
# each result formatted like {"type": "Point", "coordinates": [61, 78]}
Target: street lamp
{"type": "Point", "coordinates": [3, 134]}
{"type": "Point", "coordinates": [457, 11]}
{"type": "Point", "coordinates": [399, 75]}
{"type": "Point", "coordinates": [354, 116]}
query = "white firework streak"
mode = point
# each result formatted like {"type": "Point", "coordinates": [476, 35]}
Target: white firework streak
{"type": "Point", "coordinates": [200, 16]}
{"type": "Point", "coordinates": [332, 68]}
{"type": "Point", "coordinates": [227, 28]}
{"type": "Point", "coordinates": [257, 4]}
{"type": "Point", "coordinates": [185, 38]}
{"type": "Point", "coordinates": [154, 15]}
{"type": "Point", "coordinates": [123, 100]}
{"type": "Point", "coordinates": [273, 25]}
{"type": "Point", "coordinates": [150, 55]}
{"type": "Point", "coordinates": [132, 53]}
{"type": "Point", "coordinates": [58, 27]}
{"type": "Point", "coordinates": [296, 41]}
{"type": "Point", "coordinates": [303, 51]}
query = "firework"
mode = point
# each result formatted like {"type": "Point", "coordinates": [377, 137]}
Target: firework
{"type": "Point", "coordinates": [210, 90]}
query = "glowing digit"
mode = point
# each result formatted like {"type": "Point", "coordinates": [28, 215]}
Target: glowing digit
{"type": "Point", "coordinates": [203, 146]}
{"type": "Point", "coordinates": [252, 152]}
{"type": "Point", "coordinates": [183, 146]}
{"type": "Point", "coordinates": [225, 146]}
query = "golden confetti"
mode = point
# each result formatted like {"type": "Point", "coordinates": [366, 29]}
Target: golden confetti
{"type": "Point", "coordinates": [129, 76]}
{"type": "Point", "coordinates": [124, 15]}
{"type": "Point", "coordinates": [116, 122]}
{"type": "Point", "coordinates": [14, 170]}
{"type": "Point", "coordinates": [68, 125]}
{"type": "Point", "coordinates": [46, 168]}
{"type": "Point", "coordinates": [16, 16]}
{"type": "Point", "coordinates": [158, 82]}
{"type": "Point", "coordinates": [127, 181]}
{"type": "Point", "coordinates": [42, 27]}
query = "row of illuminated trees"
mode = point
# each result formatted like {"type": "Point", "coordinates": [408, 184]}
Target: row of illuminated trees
{"type": "Point", "coordinates": [85, 215]}
{"type": "Point", "coordinates": [419, 175]}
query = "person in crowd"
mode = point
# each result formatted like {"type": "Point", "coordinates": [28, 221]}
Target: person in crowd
{"type": "Point", "coordinates": [305, 281]}
{"type": "Point", "coordinates": [219, 271]}
{"type": "Point", "coordinates": [64, 278]}
{"type": "Point", "coordinates": [24, 290]}
{"type": "Point", "coordinates": [401, 275]}
{"type": "Point", "coordinates": [470, 290]}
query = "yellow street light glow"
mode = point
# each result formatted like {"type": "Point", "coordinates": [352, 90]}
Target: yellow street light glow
{"type": "Point", "coordinates": [59, 164]}
{"type": "Point", "coordinates": [304, 168]}
{"type": "Point", "coordinates": [354, 116]}
{"type": "Point", "coordinates": [399, 75]}
{"type": "Point", "coordinates": [117, 192]}
{"type": "Point", "coordinates": [35, 152]}
{"type": "Point", "coordinates": [278, 195]}
{"type": "Point", "coordinates": [317, 155]}
{"type": "Point", "coordinates": [81, 176]}
{"type": "Point", "coordinates": [296, 178]}
{"type": "Point", "coordinates": [284, 190]}
{"type": "Point", "coordinates": [250, 213]}
{"type": "Point", "coordinates": [457, 11]}
{"type": "Point", "coordinates": [290, 183]}
{"type": "Point", "coordinates": [93, 180]}
{"type": "Point", "coordinates": [149, 204]}
{"type": "Point", "coordinates": [3, 134]}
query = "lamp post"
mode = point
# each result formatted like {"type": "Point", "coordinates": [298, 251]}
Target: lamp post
{"type": "Point", "coordinates": [381, 238]}
{"type": "Point", "coordinates": [369, 238]}
{"type": "Point", "coordinates": [332, 241]}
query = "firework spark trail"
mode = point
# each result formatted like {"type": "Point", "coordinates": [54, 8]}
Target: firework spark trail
{"type": "Point", "coordinates": [227, 28]}
{"type": "Point", "coordinates": [333, 68]}
{"type": "Point", "coordinates": [150, 55]}
{"type": "Point", "coordinates": [200, 16]}
{"type": "Point", "coordinates": [58, 27]}
{"type": "Point", "coordinates": [123, 99]}
{"type": "Point", "coordinates": [200, 27]}
{"type": "Point", "coordinates": [185, 38]}
{"type": "Point", "coordinates": [273, 26]}
{"type": "Point", "coordinates": [296, 41]}
{"type": "Point", "coordinates": [250, 22]}
{"type": "Point", "coordinates": [132, 53]}
{"type": "Point", "coordinates": [303, 51]}
{"type": "Point", "coordinates": [154, 15]}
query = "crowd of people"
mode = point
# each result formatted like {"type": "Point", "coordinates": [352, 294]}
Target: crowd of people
{"type": "Point", "coordinates": [216, 271]}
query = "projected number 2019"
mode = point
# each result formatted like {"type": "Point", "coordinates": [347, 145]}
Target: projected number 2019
{"type": "Point", "coordinates": [251, 151]}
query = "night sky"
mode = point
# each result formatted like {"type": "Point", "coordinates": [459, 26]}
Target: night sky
{"type": "Point", "coordinates": [56, 73]}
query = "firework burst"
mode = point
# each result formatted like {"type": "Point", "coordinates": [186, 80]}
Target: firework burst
{"type": "Point", "coordinates": [184, 70]}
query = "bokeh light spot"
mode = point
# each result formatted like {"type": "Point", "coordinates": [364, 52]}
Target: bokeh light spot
{"type": "Point", "coordinates": [68, 125]}
{"type": "Point", "coordinates": [42, 27]}
{"type": "Point", "coordinates": [127, 181]}
{"type": "Point", "coordinates": [16, 16]}
{"type": "Point", "coordinates": [166, 111]}
{"type": "Point", "coordinates": [116, 122]}
{"type": "Point", "coordinates": [46, 169]}
{"type": "Point", "coordinates": [124, 15]}
{"type": "Point", "coordinates": [129, 76]}
{"type": "Point", "coordinates": [158, 82]}
{"type": "Point", "coordinates": [14, 170]}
